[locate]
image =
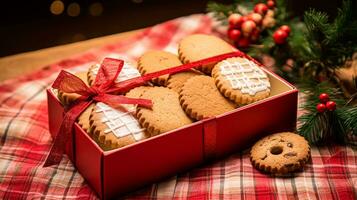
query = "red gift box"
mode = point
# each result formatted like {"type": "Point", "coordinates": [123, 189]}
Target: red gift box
{"type": "Point", "coordinates": [118, 171]}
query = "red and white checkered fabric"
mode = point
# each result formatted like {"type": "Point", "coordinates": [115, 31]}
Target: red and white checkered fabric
{"type": "Point", "coordinates": [25, 142]}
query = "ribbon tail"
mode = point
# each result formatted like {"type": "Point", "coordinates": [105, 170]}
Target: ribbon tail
{"type": "Point", "coordinates": [64, 133]}
{"type": "Point", "coordinates": [115, 100]}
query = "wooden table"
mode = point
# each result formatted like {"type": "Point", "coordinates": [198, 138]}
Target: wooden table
{"type": "Point", "coordinates": [24, 63]}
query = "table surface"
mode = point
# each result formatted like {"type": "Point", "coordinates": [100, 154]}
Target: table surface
{"type": "Point", "coordinates": [24, 63]}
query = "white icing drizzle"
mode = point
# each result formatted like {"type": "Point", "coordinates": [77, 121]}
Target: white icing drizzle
{"type": "Point", "coordinates": [128, 72]}
{"type": "Point", "coordinates": [120, 121]}
{"type": "Point", "coordinates": [245, 76]}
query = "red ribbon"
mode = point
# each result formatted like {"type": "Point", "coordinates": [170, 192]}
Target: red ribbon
{"type": "Point", "coordinates": [98, 92]}
{"type": "Point", "coordinates": [102, 89]}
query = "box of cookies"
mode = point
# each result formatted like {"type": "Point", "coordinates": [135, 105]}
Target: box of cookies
{"type": "Point", "coordinates": [126, 125]}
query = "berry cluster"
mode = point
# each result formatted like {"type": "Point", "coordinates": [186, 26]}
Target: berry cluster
{"type": "Point", "coordinates": [325, 104]}
{"type": "Point", "coordinates": [281, 34]}
{"type": "Point", "coordinates": [244, 30]}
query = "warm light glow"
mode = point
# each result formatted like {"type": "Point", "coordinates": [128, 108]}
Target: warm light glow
{"type": "Point", "coordinates": [73, 9]}
{"type": "Point", "coordinates": [96, 9]}
{"type": "Point", "coordinates": [57, 7]}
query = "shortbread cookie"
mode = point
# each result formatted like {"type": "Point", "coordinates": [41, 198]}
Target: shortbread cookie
{"type": "Point", "coordinates": [199, 46]}
{"type": "Point", "coordinates": [166, 113]}
{"type": "Point", "coordinates": [201, 99]}
{"type": "Point", "coordinates": [115, 127]}
{"type": "Point", "coordinates": [68, 98]}
{"type": "Point", "coordinates": [153, 61]}
{"type": "Point", "coordinates": [280, 153]}
{"type": "Point", "coordinates": [241, 80]}
{"type": "Point", "coordinates": [128, 71]}
{"type": "Point", "coordinates": [176, 81]}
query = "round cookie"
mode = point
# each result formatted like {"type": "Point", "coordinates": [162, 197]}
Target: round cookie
{"type": "Point", "coordinates": [166, 113]}
{"type": "Point", "coordinates": [241, 80]}
{"type": "Point", "coordinates": [137, 92]}
{"type": "Point", "coordinates": [153, 61]}
{"type": "Point", "coordinates": [68, 98]}
{"type": "Point", "coordinates": [176, 81]}
{"type": "Point", "coordinates": [115, 127]}
{"type": "Point", "coordinates": [200, 46]}
{"type": "Point", "coordinates": [280, 153]}
{"type": "Point", "coordinates": [83, 119]}
{"type": "Point", "coordinates": [201, 99]}
{"type": "Point", "coordinates": [128, 71]}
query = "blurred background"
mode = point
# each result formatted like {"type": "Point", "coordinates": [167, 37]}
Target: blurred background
{"type": "Point", "coordinates": [36, 24]}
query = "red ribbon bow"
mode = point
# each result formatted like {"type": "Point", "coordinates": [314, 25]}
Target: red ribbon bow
{"type": "Point", "coordinates": [102, 89]}
{"type": "Point", "coordinates": [98, 92]}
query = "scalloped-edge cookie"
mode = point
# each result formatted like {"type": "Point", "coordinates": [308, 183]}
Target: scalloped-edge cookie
{"type": "Point", "coordinates": [154, 60]}
{"type": "Point", "coordinates": [280, 153]}
{"type": "Point", "coordinates": [176, 81]}
{"type": "Point", "coordinates": [241, 80]}
{"type": "Point", "coordinates": [115, 127]}
{"type": "Point", "coordinates": [166, 113]}
{"type": "Point", "coordinates": [200, 98]}
{"type": "Point", "coordinates": [200, 46]}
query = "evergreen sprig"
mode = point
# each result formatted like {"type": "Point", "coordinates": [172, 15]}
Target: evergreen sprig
{"type": "Point", "coordinates": [332, 43]}
{"type": "Point", "coordinates": [328, 126]}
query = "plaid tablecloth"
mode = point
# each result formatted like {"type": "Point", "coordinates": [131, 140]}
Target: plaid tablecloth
{"type": "Point", "coordinates": [25, 142]}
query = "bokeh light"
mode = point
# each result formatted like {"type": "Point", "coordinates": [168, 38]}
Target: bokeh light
{"type": "Point", "coordinates": [57, 7]}
{"type": "Point", "coordinates": [73, 9]}
{"type": "Point", "coordinates": [96, 9]}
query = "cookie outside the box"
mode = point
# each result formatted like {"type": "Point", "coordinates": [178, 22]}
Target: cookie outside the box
{"type": "Point", "coordinates": [280, 153]}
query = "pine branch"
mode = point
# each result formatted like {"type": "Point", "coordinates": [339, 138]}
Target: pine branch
{"type": "Point", "coordinates": [220, 11]}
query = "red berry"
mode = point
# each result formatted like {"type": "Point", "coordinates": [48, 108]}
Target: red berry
{"type": "Point", "coordinates": [285, 28]}
{"type": "Point", "coordinates": [255, 35]}
{"type": "Point", "coordinates": [321, 107]}
{"type": "Point", "coordinates": [271, 4]}
{"type": "Point", "coordinates": [234, 34]}
{"type": "Point", "coordinates": [233, 19]}
{"type": "Point", "coordinates": [324, 98]}
{"type": "Point", "coordinates": [280, 36]}
{"type": "Point", "coordinates": [243, 42]}
{"type": "Point", "coordinates": [248, 27]}
{"type": "Point", "coordinates": [241, 21]}
{"type": "Point", "coordinates": [261, 8]}
{"type": "Point", "coordinates": [331, 105]}
{"type": "Point", "coordinates": [257, 18]}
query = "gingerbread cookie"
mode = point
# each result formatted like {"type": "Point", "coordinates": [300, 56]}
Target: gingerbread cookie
{"type": "Point", "coordinates": [153, 61]}
{"type": "Point", "coordinates": [83, 119]}
{"type": "Point", "coordinates": [128, 71]}
{"type": "Point", "coordinates": [201, 99]}
{"type": "Point", "coordinates": [115, 127]}
{"type": "Point", "coordinates": [280, 153]}
{"type": "Point", "coordinates": [200, 46]}
{"type": "Point", "coordinates": [176, 81]}
{"type": "Point", "coordinates": [68, 98]}
{"type": "Point", "coordinates": [241, 80]}
{"type": "Point", "coordinates": [166, 113]}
